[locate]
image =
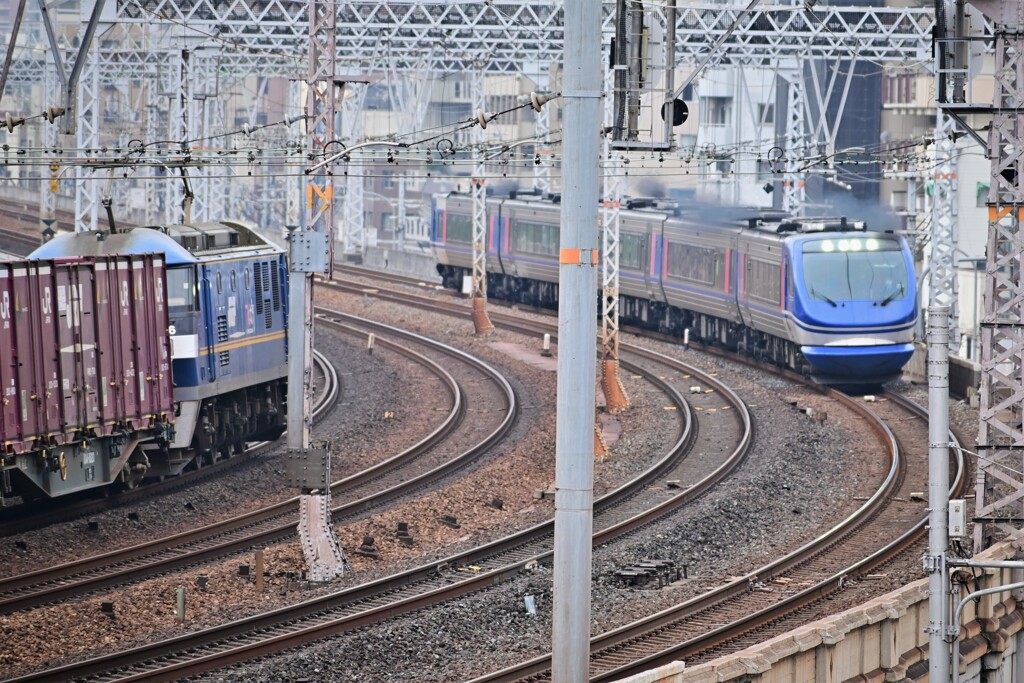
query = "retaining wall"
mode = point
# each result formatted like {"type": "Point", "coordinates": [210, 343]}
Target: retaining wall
{"type": "Point", "coordinates": [884, 640]}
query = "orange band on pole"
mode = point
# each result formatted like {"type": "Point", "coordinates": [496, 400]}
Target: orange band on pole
{"type": "Point", "coordinates": [574, 257]}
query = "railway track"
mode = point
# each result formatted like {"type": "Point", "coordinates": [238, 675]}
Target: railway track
{"type": "Point", "coordinates": [764, 604]}
{"type": "Point", "coordinates": [718, 629]}
{"type": "Point", "coordinates": [367, 490]}
{"type": "Point", "coordinates": [619, 512]}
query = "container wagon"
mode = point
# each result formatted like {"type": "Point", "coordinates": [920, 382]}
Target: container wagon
{"type": "Point", "coordinates": [85, 366]}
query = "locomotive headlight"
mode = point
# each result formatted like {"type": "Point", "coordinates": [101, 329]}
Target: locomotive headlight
{"type": "Point", "coordinates": [854, 245]}
{"type": "Point", "coordinates": [844, 245]}
{"type": "Point", "coordinates": [827, 246]}
{"type": "Point", "coordinates": [872, 245]}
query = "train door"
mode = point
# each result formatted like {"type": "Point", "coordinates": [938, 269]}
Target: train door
{"type": "Point", "coordinates": [498, 240]}
{"type": "Point", "coordinates": [88, 297]}
{"type": "Point", "coordinates": [68, 334]}
{"type": "Point", "coordinates": [437, 221]}
{"type": "Point", "coordinates": [654, 256]}
{"type": "Point", "coordinates": [212, 333]}
{"type": "Point", "coordinates": [48, 350]}
{"type": "Point", "coordinates": [104, 335]}
{"type": "Point", "coordinates": [733, 271]}
{"type": "Point", "coordinates": [10, 424]}
{"type": "Point", "coordinates": [658, 236]}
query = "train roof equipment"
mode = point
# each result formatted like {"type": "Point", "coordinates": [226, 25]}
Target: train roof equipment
{"type": "Point", "coordinates": [180, 243]}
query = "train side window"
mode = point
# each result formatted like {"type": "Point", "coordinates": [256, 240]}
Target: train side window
{"type": "Point", "coordinates": [248, 279]}
{"type": "Point", "coordinates": [459, 228]}
{"type": "Point", "coordinates": [764, 280]}
{"type": "Point", "coordinates": [234, 281]}
{"type": "Point", "coordinates": [534, 238]}
{"type": "Point", "coordinates": [631, 251]}
{"type": "Point", "coordinates": [697, 264]}
{"type": "Point", "coordinates": [181, 289]}
{"type": "Point", "coordinates": [220, 283]}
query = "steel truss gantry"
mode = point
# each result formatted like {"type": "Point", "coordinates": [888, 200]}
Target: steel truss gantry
{"type": "Point", "coordinates": [481, 321]}
{"type": "Point", "coordinates": [943, 282]}
{"type": "Point", "coordinates": [615, 188]}
{"type": "Point", "coordinates": [87, 137]}
{"type": "Point", "coordinates": [259, 36]}
{"type": "Point", "coordinates": [999, 487]}
{"type": "Point", "coordinates": [312, 250]}
{"type": "Point", "coordinates": [354, 234]}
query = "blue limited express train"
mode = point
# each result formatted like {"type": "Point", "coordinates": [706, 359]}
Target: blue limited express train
{"type": "Point", "coordinates": [824, 296]}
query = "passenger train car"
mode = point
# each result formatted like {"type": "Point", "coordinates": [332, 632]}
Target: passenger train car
{"type": "Point", "coordinates": [819, 295]}
{"type": "Point", "coordinates": [225, 317]}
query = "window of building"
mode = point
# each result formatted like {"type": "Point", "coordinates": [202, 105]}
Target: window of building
{"type": "Point", "coordinates": [718, 110]}
{"type": "Point", "coordinates": [981, 195]}
{"type": "Point", "coordinates": [765, 114]}
{"type": "Point", "coordinates": [687, 144]}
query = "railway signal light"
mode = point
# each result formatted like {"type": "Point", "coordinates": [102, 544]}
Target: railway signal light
{"type": "Point", "coordinates": [680, 112]}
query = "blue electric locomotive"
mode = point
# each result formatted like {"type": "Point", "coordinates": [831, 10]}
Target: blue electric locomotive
{"type": "Point", "coordinates": [820, 295]}
{"type": "Point", "coordinates": [227, 304]}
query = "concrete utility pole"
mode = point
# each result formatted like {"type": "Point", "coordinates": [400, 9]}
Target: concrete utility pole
{"type": "Point", "coordinates": [938, 491]}
{"type": "Point", "coordinates": [577, 328]}
{"type": "Point", "coordinates": [311, 251]}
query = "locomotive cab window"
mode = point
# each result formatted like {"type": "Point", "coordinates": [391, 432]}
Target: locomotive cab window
{"type": "Point", "coordinates": [855, 269]}
{"type": "Point", "coordinates": [181, 289]}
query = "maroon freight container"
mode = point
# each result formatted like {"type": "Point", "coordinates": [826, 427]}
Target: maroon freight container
{"type": "Point", "coordinates": [10, 419]}
{"type": "Point", "coordinates": [84, 349]}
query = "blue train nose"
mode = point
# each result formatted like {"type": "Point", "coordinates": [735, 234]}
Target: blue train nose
{"type": "Point", "coordinates": [857, 363]}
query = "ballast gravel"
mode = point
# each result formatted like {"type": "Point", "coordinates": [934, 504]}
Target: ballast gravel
{"type": "Point", "coordinates": [801, 474]}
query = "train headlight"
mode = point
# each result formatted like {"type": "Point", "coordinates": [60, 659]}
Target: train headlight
{"type": "Point", "coordinates": [827, 246]}
{"type": "Point", "coordinates": [872, 245]}
{"type": "Point", "coordinates": [854, 245]}
{"type": "Point", "coordinates": [844, 245]}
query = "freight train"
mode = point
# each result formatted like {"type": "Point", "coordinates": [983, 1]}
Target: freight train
{"type": "Point", "coordinates": [139, 354]}
{"type": "Point", "coordinates": [823, 296]}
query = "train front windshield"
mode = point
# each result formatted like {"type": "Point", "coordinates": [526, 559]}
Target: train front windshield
{"type": "Point", "coordinates": [855, 269]}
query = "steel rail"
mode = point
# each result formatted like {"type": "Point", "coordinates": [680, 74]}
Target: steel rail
{"type": "Point", "coordinates": [259, 527]}
{"type": "Point", "coordinates": [53, 583]}
{"type": "Point", "coordinates": [320, 623]}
